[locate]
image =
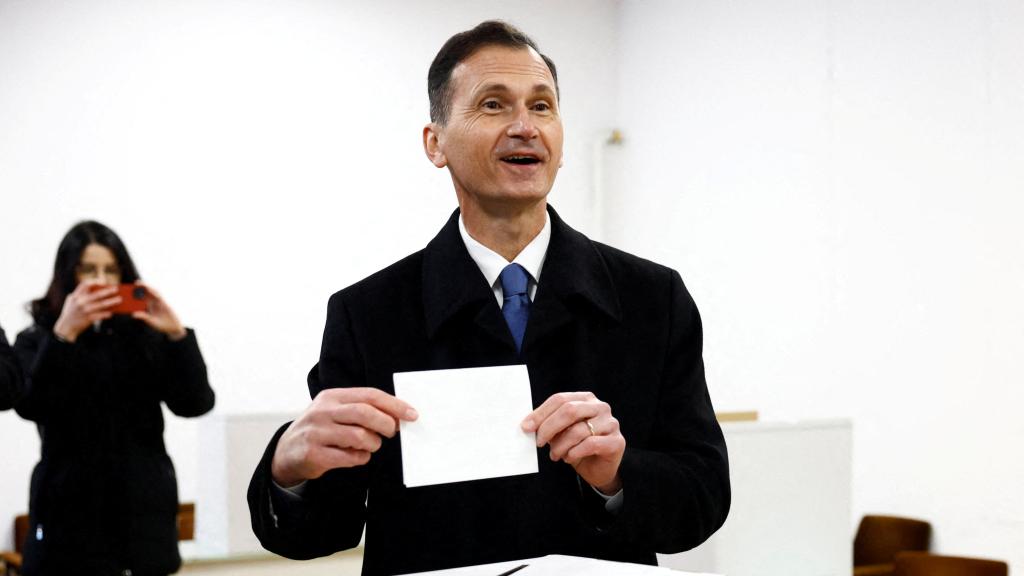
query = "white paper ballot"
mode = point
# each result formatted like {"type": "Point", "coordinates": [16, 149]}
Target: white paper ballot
{"type": "Point", "coordinates": [555, 565]}
{"type": "Point", "coordinates": [469, 424]}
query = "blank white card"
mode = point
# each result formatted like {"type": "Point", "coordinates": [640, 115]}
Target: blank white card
{"type": "Point", "coordinates": [468, 426]}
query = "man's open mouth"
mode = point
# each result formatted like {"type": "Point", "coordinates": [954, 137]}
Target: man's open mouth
{"type": "Point", "coordinates": [521, 160]}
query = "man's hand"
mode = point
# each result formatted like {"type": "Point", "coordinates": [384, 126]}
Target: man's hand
{"type": "Point", "coordinates": [340, 429]}
{"type": "Point", "coordinates": [581, 431]}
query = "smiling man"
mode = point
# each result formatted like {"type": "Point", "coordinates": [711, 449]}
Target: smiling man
{"type": "Point", "coordinates": [632, 460]}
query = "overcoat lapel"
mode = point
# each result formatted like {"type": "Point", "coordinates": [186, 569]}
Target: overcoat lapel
{"type": "Point", "coordinates": [573, 271]}
{"type": "Point", "coordinates": [453, 285]}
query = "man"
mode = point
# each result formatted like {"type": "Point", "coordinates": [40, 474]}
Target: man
{"type": "Point", "coordinates": [10, 374]}
{"type": "Point", "coordinates": [632, 461]}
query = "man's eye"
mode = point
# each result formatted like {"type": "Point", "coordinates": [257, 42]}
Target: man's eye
{"type": "Point", "coordinates": [492, 105]}
{"type": "Point", "coordinates": [542, 106]}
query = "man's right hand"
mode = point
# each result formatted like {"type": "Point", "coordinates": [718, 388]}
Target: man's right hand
{"type": "Point", "coordinates": [340, 429]}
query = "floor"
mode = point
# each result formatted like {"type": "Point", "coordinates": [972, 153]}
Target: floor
{"type": "Point", "coordinates": [342, 564]}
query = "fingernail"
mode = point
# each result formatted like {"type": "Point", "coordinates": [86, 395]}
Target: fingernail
{"type": "Point", "coordinates": [411, 414]}
{"type": "Point", "coordinates": [527, 425]}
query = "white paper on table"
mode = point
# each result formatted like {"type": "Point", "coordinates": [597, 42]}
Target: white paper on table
{"type": "Point", "coordinates": [557, 565]}
{"type": "Point", "coordinates": [480, 570]}
{"type": "Point", "coordinates": [468, 426]}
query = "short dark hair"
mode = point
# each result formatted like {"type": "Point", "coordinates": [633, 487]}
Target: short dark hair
{"type": "Point", "coordinates": [463, 45]}
{"type": "Point", "coordinates": [46, 310]}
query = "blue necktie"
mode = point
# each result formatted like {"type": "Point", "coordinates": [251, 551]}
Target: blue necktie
{"type": "Point", "coordinates": [516, 308]}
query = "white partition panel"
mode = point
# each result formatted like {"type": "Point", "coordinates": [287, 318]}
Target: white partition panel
{"type": "Point", "coordinates": [232, 445]}
{"type": "Point", "coordinates": [790, 503]}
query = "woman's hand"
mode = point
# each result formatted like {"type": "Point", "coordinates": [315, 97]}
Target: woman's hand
{"type": "Point", "coordinates": [160, 316]}
{"type": "Point", "coordinates": [83, 307]}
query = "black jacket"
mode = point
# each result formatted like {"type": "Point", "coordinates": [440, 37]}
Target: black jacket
{"type": "Point", "coordinates": [602, 320]}
{"type": "Point", "coordinates": [104, 495]}
{"type": "Point", "coordinates": [10, 374]}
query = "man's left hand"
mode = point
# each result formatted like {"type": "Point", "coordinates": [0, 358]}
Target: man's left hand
{"type": "Point", "coordinates": [581, 431]}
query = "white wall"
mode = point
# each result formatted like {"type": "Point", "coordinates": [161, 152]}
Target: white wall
{"type": "Point", "coordinates": [841, 183]}
{"type": "Point", "coordinates": [254, 156]}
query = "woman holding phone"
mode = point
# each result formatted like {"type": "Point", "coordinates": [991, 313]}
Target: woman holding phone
{"type": "Point", "coordinates": [104, 495]}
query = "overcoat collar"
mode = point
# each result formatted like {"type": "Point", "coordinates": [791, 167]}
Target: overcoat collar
{"type": "Point", "coordinates": [572, 269]}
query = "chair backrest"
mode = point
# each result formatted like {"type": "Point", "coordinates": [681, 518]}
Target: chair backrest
{"type": "Point", "coordinates": [923, 564]}
{"type": "Point", "coordinates": [880, 538]}
{"type": "Point", "coordinates": [10, 562]}
{"type": "Point", "coordinates": [20, 532]}
{"type": "Point", "coordinates": [186, 521]}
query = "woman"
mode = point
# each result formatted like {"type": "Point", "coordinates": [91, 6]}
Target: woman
{"type": "Point", "coordinates": [104, 495]}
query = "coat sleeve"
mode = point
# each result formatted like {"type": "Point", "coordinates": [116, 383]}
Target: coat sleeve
{"type": "Point", "coordinates": [676, 488]}
{"type": "Point", "coordinates": [10, 374]}
{"type": "Point", "coordinates": [185, 387]}
{"type": "Point", "coordinates": [331, 513]}
{"type": "Point", "coordinates": [52, 371]}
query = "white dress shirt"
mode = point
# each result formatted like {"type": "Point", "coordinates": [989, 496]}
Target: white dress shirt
{"type": "Point", "coordinates": [491, 263]}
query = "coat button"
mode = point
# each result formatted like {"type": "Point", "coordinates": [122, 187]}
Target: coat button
{"type": "Point", "coordinates": [126, 572]}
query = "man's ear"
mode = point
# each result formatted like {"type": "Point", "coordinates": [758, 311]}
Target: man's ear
{"type": "Point", "coordinates": [432, 145]}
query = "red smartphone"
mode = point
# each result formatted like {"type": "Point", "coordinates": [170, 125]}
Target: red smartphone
{"type": "Point", "coordinates": [134, 298]}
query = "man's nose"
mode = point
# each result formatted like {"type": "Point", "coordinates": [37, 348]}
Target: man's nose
{"type": "Point", "coordinates": [522, 126]}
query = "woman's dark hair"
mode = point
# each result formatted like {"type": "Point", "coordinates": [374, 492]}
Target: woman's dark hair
{"type": "Point", "coordinates": [46, 310]}
{"type": "Point", "coordinates": [463, 45]}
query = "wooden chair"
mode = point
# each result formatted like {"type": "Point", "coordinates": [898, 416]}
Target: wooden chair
{"type": "Point", "coordinates": [186, 521]}
{"type": "Point", "coordinates": [10, 562]}
{"type": "Point", "coordinates": [880, 538]}
{"type": "Point", "coordinates": [924, 564]}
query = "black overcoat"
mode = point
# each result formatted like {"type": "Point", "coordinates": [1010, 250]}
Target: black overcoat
{"type": "Point", "coordinates": [602, 320]}
{"type": "Point", "coordinates": [104, 495]}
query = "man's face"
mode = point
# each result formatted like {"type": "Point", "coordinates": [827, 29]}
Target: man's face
{"type": "Point", "coordinates": [503, 140]}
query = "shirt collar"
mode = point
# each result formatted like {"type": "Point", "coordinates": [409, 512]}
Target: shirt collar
{"type": "Point", "coordinates": [575, 269]}
{"type": "Point", "coordinates": [491, 263]}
